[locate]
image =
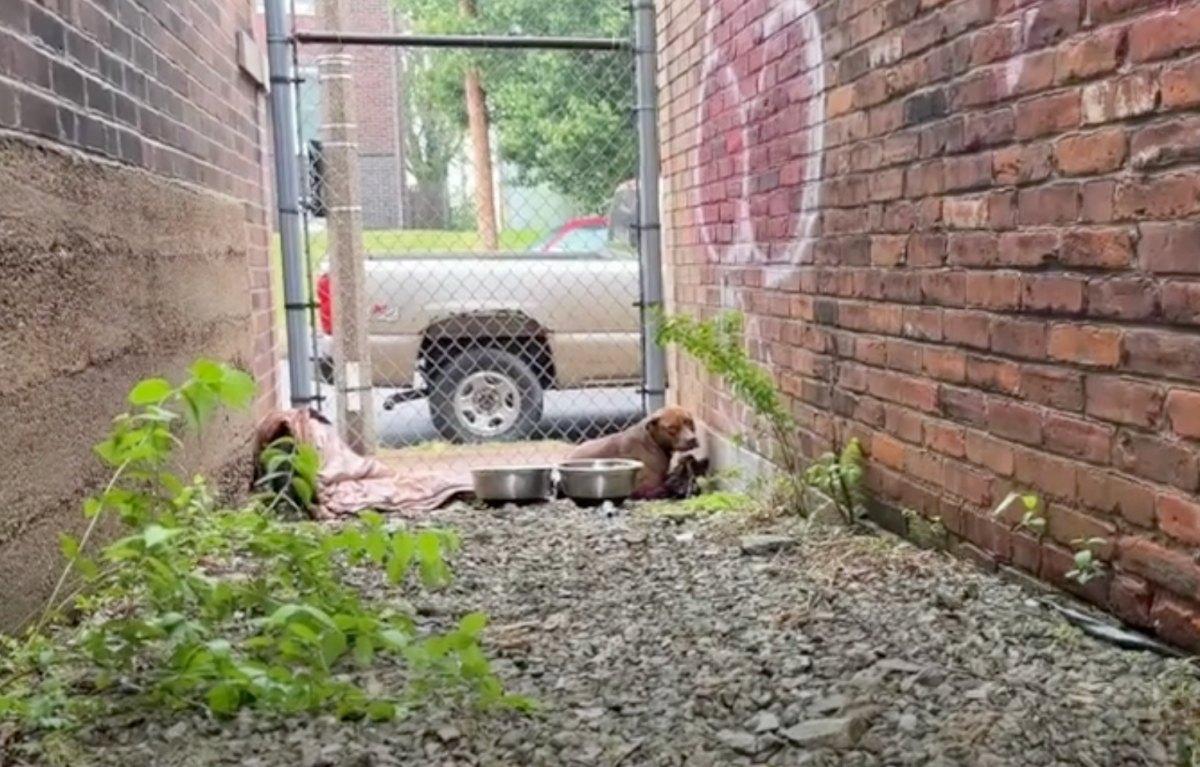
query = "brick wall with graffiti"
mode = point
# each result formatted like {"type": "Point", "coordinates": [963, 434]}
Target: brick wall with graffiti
{"type": "Point", "coordinates": [966, 233]}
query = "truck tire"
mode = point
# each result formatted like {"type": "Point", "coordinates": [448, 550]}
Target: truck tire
{"type": "Point", "coordinates": [485, 395]}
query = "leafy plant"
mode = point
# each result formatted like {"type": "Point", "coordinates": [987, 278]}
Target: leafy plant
{"type": "Point", "coordinates": [289, 475]}
{"type": "Point", "coordinates": [718, 480]}
{"type": "Point", "coordinates": [705, 504]}
{"type": "Point", "coordinates": [927, 532]}
{"type": "Point", "coordinates": [839, 476]}
{"type": "Point", "coordinates": [717, 502]}
{"type": "Point", "coordinates": [195, 607]}
{"type": "Point", "coordinates": [718, 345]}
{"type": "Point", "coordinates": [1031, 511]}
{"type": "Point", "coordinates": [1087, 565]}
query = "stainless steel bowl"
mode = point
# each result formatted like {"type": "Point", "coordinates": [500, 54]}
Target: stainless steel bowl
{"type": "Point", "coordinates": [596, 481]}
{"type": "Point", "coordinates": [513, 484]}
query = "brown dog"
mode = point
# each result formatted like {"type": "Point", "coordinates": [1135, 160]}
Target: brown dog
{"type": "Point", "coordinates": [653, 441]}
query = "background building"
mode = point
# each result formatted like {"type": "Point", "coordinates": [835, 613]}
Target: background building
{"type": "Point", "coordinates": [378, 82]}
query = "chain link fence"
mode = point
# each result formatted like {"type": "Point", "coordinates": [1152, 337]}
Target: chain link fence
{"type": "Point", "coordinates": [470, 231]}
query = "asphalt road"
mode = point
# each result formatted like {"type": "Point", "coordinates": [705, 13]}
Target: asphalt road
{"type": "Point", "coordinates": [572, 415]}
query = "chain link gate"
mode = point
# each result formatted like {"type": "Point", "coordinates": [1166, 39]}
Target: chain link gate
{"type": "Point", "coordinates": [469, 213]}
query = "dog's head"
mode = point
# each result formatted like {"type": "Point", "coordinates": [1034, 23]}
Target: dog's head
{"type": "Point", "coordinates": [673, 429]}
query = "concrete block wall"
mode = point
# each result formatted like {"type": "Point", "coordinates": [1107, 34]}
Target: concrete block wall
{"type": "Point", "coordinates": [133, 239]}
{"type": "Point", "coordinates": [965, 232]}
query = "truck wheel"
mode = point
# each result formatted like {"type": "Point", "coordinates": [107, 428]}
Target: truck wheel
{"type": "Point", "coordinates": [485, 395]}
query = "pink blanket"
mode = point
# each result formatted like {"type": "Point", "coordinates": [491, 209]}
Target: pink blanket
{"type": "Point", "coordinates": [349, 483]}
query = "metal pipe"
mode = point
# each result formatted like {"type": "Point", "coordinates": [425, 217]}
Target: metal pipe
{"type": "Point", "coordinates": [649, 227]}
{"type": "Point", "coordinates": [305, 219]}
{"type": "Point", "coordinates": [287, 198]}
{"type": "Point", "coordinates": [461, 41]}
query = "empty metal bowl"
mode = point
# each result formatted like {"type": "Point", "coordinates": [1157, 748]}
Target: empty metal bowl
{"type": "Point", "coordinates": [513, 484]}
{"type": "Point", "coordinates": [596, 481]}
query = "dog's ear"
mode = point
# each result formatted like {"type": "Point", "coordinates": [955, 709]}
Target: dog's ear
{"type": "Point", "coordinates": [654, 423]}
{"type": "Point", "coordinates": [654, 428]}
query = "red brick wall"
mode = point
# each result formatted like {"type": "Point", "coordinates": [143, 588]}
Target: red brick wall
{"type": "Point", "coordinates": [965, 232]}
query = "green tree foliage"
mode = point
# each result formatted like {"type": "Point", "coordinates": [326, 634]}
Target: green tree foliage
{"type": "Point", "coordinates": [433, 128]}
{"type": "Point", "coordinates": [562, 117]}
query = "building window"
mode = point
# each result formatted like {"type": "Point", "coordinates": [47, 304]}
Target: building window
{"type": "Point", "coordinates": [309, 97]}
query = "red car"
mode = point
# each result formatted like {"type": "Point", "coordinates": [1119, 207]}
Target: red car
{"type": "Point", "coordinates": [585, 234]}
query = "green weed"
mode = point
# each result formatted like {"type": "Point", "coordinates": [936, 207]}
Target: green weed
{"type": "Point", "coordinates": [220, 610]}
{"type": "Point", "coordinates": [718, 345]}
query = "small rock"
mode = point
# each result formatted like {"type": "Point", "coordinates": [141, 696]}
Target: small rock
{"type": "Point", "coordinates": [895, 664]}
{"type": "Point", "coordinates": [931, 676]}
{"type": "Point", "coordinates": [311, 756]}
{"type": "Point", "coordinates": [511, 738]}
{"type": "Point", "coordinates": [739, 741]}
{"type": "Point", "coordinates": [907, 723]}
{"type": "Point", "coordinates": [758, 545]}
{"type": "Point", "coordinates": [979, 693]}
{"type": "Point", "coordinates": [763, 721]}
{"type": "Point", "coordinates": [448, 734]}
{"type": "Point", "coordinates": [589, 753]}
{"type": "Point", "coordinates": [625, 750]}
{"type": "Point", "coordinates": [948, 601]}
{"type": "Point", "coordinates": [797, 664]}
{"type": "Point", "coordinates": [635, 536]}
{"type": "Point", "coordinates": [842, 732]}
{"type": "Point", "coordinates": [564, 739]}
{"type": "Point", "coordinates": [1156, 753]}
{"type": "Point", "coordinates": [829, 704]}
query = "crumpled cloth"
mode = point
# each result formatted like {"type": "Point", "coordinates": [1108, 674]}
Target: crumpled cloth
{"type": "Point", "coordinates": [348, 482]}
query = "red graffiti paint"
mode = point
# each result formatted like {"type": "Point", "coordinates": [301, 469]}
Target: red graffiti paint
{"type": "Point", "coordinates": [759, 132]}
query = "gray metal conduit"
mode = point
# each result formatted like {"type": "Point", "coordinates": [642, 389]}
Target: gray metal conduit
{"type": "Point", "coordinates": [287, 196]}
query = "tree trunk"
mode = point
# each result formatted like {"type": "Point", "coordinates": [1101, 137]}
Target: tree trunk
{"type": "Point", "coordinates": [481, 149]}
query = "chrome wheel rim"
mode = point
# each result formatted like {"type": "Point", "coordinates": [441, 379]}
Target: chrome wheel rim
{"type": "Point", "coordinates": [487, 403]}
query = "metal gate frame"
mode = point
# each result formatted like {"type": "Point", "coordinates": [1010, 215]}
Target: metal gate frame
{"type": "Point", "coordinates": [300, 314]}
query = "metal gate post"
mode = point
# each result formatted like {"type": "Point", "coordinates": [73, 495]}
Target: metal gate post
{"type": "Point", "coordinates": [287, 197]}
{"type": "Point", "coordinates": [654, 357]}
{"type": "Point", "coordinates": [351, 348]}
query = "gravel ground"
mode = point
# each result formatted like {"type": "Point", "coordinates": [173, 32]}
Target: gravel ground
{"type": "Point", "coordinates": [650, 642]}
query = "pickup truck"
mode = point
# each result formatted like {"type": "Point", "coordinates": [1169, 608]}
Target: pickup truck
{"type": "Point", "coordinates": [483, 336]}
